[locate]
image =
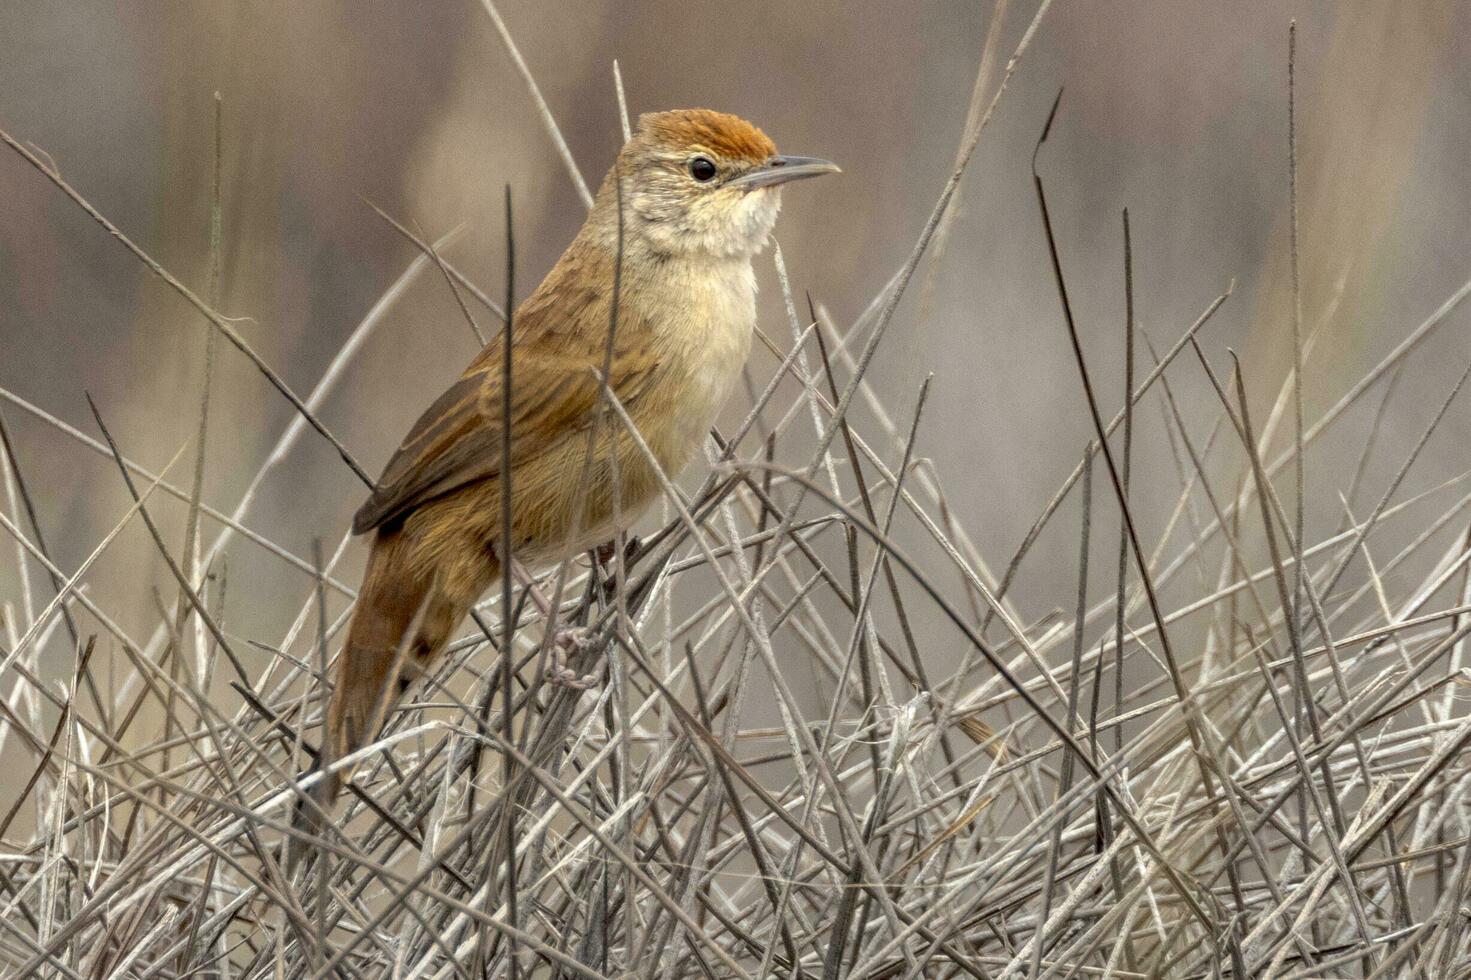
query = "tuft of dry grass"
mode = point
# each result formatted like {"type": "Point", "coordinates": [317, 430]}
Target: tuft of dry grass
{"type": "Point", "coordinates": [1241, 759]}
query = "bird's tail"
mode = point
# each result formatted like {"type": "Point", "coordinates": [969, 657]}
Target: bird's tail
{"type": "Point", "coordinates": [402, 622]}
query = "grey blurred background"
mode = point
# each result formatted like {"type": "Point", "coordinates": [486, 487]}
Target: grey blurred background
{"type": "Point", "coordinates": [1176, 110]}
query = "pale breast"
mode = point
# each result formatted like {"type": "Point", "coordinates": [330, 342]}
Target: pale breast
{"type": "Point", "coordinates": [708, 338]}
{"type": "Point", "coordinates": [699, 322]}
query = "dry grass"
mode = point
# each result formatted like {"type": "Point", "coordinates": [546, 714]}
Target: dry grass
{"type": "Point", "coordinates": [1245, 758]}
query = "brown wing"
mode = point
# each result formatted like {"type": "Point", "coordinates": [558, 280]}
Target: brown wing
{"type": "Point", "coordinates": [554, 394]}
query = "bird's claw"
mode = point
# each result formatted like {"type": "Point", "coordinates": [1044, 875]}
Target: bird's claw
{"type": "Point", "coordinates": [573, 639]}
{"type": "Point", "coordinates": [564, 676]}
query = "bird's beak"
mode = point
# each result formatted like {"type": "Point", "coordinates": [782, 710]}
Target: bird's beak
{"type": "Point", "coordinates": [780, 170]}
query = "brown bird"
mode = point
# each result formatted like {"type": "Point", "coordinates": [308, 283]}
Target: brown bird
{"type": "Point", "coordinates": [700, 191]}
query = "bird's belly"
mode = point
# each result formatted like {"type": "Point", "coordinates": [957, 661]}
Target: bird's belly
{"type": "Point", "coordinates": [580, 503]}
{"type": "Point", "coordinates": [577, 503]}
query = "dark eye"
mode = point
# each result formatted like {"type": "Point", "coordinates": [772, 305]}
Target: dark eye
{"type": "Point", "coordinates": [702, 169]}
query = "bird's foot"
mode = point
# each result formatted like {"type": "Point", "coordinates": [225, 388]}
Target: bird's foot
{"type": "Point", "coordinates": [571, 640]}
{"type": "Point", "coordinates": [563, 676]}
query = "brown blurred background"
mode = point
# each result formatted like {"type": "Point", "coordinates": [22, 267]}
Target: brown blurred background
{"type": "Point", "coordinates": [1177, 110]}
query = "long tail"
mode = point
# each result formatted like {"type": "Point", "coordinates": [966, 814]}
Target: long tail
{"type": "Point", "coordinates": [403, 620]}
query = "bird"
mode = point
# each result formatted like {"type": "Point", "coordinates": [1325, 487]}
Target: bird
{"type": "Point", "coordinates": [689, 202]}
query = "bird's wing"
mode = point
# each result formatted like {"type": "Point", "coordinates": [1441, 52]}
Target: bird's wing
{"type": "Point", "coordinates": [554, 393]}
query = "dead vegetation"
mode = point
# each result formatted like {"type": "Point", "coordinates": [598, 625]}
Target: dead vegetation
{"type": "Point", "coordinates": [1243, 757]}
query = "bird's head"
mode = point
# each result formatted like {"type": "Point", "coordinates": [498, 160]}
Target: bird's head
{"type": "Point", "coordinates": [701, 182]}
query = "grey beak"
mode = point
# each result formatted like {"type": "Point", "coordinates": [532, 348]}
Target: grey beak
{"type": "Point", "coordinates": [780, 170]}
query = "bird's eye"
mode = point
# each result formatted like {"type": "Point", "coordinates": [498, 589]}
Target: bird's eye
{"type": "Point", "coordinates": [702, 169]}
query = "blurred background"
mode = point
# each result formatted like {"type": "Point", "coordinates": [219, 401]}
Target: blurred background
{"type": "Point", "coordinates": [1176, 110]}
